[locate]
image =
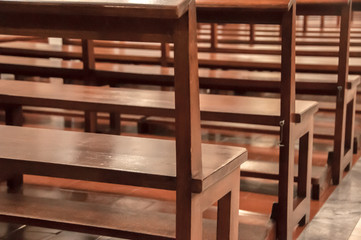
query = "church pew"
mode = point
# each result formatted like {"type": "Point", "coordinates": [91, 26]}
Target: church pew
{"type": "Point", "coordinates": [289, 127]}
{"type": "Point", "coordinates": [90, 156]}
{"type": "Point", "coordinates": [252, 60]}
{"type": "Point", "coordinates": [214, 79]}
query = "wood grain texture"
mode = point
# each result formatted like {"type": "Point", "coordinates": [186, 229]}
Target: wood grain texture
{"type": "Point", "coordinates": [155, 103]}
{"type": "Point", "coordinates": [124, 8]}
{"type": "Point", "coordinates": [106, 158]}
{"type": "Point", "coordinates": [268, 5]}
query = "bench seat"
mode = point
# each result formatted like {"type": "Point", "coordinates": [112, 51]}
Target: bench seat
{"type": "Point", "coordinates": [102, 158]}
{"type": "Point", "coordinates": [254, 110]}
{"type": "Point", "coordinates": [252, 226]}
{"type": "Point", "coordinates": [157, 75]}
{"type": "Point", "coordinates": [12, 38]}
{"type": "Point", "coordinates": [107, 158]}
{"type": "Point", "coordinates": [276, 40]}
{"type": "Point", "coordinates": [206, 59]}
{"type": "Point", "coordinates": [318, 132]}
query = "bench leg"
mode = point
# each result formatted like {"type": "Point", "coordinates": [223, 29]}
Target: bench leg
{"type": "Point", "coordinates": [90, 121]}
{"type": "Point", "coordinates": [114, 121]}
{"type": "Point", "coordinates": [14, 117]}
{"type": "Point", "coordinates": [15, 183]}
{"type": "Point", "coordinates": [226, 193]}
{"type": "Point", "coordinates": [341, 158]}
{"type": "Point", "coordinates": [214, 36]}
{"type": "Point", "coordinates": [304, 174]}
{"type": "Point", "coordinates": [341, 143]}
{"type": "Point", "coordinates": [227, 216]}
{"type": "Point", "coordinates": [287, 126]}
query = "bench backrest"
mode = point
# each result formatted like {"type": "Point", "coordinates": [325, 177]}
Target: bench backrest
{"type": "Point", "coordinates": [154, 21]}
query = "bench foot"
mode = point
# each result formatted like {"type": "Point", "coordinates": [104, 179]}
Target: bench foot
{"type": "Point", "coordinates": [303, 221]}
{"type": "Point", "coordinates": [274, 214]}
{"type": "Point", "coordinates": [115, 125]}
{"type": "Point", "coordinates": [330, 158]}
{"type": "Point", "coordinates": [355, 145]}
{"type": "Point", "coordinates": [15, 183]}
{"type": "Point", "coordinates": [14, 115]}
{"type": "Point", "coordinates": [315, 192]}
{"type": "Point", "coordinates": [143, 126]}
{"type": "Point", "coordinates": [90, 121]}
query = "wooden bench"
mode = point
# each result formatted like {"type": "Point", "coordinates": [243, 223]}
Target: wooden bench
{"type": "Point", "coordinates": [10, 38]}
{"type": "Point", "coordinates": [286, 110]}
{"type": "Point", "coordinates": [247, 60]}
{"type": "Point", "coordinates": [214, 79]}
{"type": "Point", "coordinates": [118, 159]}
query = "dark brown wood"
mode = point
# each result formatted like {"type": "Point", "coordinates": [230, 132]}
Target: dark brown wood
{"type": "Point", "coordinates": [265, 111]}
{"type": "Point", "coordinates": [214, 36]}
{"type": "Point", "coordinates": [114, 159]}
{"type": "Point", "coordinates": [341, 103]}
{"type": "Point", "coordinates": [172, 9]}
{"type": "Point", "coordinates": [287, 138]}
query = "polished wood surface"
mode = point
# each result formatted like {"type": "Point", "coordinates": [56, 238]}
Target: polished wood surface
{"type": "Point", "coordinates": [134, 22]}
{"type": "Point", "coordinates": [124, 160]}
{"type": "Point", "coordinates": [268, 5]}
{"type": "Point", "coordinates": [356, 5]}
{"type": "Point", "coordinates": [324, 1]}
{"type": "Point", "coordinates": [321, 7]}
{"type": "Point", "coordinates": [125, 8]}
{"type": "Point", "coordinates": [242, 11]}
{"type": "Point", "coordinates": [147, 102]}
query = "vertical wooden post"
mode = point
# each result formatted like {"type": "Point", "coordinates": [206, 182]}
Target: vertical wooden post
{"type": "Point", "coordinates": [187, 120]}
{"type": "Point", "coordinates": [14, 117]}
{"type": "Point", "coordinates": [214, 36]}
{"type": "Point", "coordinates": [322, 23]}
{"type": "Point", "coordinates": [305, 170]}
{"type": "Point", "coordinates": [88, 58]}
{"type": "Point", "coordinates": [343, 68]}
{"type": "Point", "coordinates": [251, 33]}
{"type": "Point", "coordinates": [165, 54]}
{"type": "Point", "coordinates": [227, 215]}
{"type": "Point", "coordinates": [286, 158]}
{"type": "Point", "coordinates": [305, 19]}
{"type": "Point", "coordinates": [115, 123]}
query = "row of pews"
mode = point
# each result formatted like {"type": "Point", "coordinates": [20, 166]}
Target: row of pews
{"type": "Point", "coordinates": [245, 48]}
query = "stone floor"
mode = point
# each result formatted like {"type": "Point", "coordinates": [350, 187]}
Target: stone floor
{"type": "Point", "coordinates": [339, 218]}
